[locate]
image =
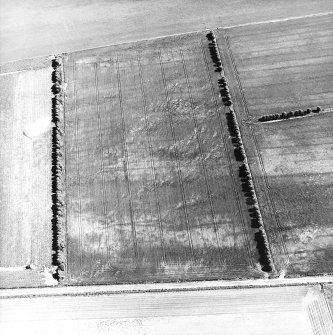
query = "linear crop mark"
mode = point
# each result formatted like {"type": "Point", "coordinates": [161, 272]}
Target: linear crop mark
{"type": "Point", "coordinates": [77, 163]}
{"type": "Point", "coordinates": [237, 76]}
{"type": "Point", "coordinates": [258, 151]}
{"type": "Point", "coordinates": [197, 132]}
{"type": "Point", "coordinates": [152, 164]}
{"type": "Point", "coordinates": [180, 177]}
{"type": "Point", "coordinates": [105, 211]}
{"type": "Point", "coordinates": [236, 194]}
{"type": "Point", "coordinates": [126, 163]}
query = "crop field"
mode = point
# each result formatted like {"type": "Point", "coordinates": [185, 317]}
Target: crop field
{"type": "Point", "coordinates": [274, 68]}
{"type": "Point", "coordinates": [152, 188]}
{"type": "Point", "coordinates": [25, 170]}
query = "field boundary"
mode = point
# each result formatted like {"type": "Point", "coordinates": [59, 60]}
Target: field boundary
{"type": "Point", "coordinates": [86, 290]}
{"type": "Point", "coordinates": [58, 166]}
{"type": "Point", "coordinates": [233, 68]}
{"type": "Point", "coordinates": [265, 257]}
{"type": "Point", "coordinates": [291, 18]}
{"type": "Point", "coordinates": [293, 115]}
{"type": "Point", "coordinates": [233, 178]}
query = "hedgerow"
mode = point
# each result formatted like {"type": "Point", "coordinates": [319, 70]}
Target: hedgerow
{"type": "Point", "coordinates": [244, 171]}
{"type": "Point", "coordinates": [288, 115]}
{"type": "Point", "coordinates": [58, 189]}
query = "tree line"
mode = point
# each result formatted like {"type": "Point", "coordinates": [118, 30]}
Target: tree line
{"type": "Point", "coordinates": [240, 155]}
{"type": "Point", "coordinates": [58, 188]}
{"type": "Point", "coordinates": [288, 115]}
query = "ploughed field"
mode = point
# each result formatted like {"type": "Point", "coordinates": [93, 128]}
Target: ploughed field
{"type": "Point", "coordinates": [275, 68]}
{"type": "Point", "coordinates": [152, 183]}
{"type": "Point", "coordinates": [25, 174]}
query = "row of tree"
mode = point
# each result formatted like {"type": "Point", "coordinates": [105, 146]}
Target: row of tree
{"type": "Point", "coordinates": [244, 170]}
{"type": "Point", "coordinates": [256, 218]}
{"type": "Point", "coordinates": [215, 55]}
{"type": "Point", "coordinates": [58, 188]}
{"type": "Point", "coordinates": [288, 115]}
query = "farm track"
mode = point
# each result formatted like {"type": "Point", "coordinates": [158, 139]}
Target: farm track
{"type": "Point", "coordinates": [126, 167]}
{"type": "Point", "coordinates": [104, 198]}
{"type": "Point", "coordinates": [151, 157]}
{"type": "Point", "coordinates": [228, 57]}
{"type": "Point", "coordinates": [177, 159]}
{"type": "Point", "coordinates": [78, 179]}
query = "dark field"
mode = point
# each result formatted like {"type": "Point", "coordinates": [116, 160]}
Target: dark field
{"type": "Point", "coordinates": [284, 66]}
{"type": "Point", "coordinates": [275, 68]}
{"type": "Point", "coordinates": [151, 178]}
{"type": "Point", "coordinates": [297, 158]}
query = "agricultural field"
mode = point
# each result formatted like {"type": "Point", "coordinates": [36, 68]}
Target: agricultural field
{"type": "Point", "coordinates": [293, 310]}
{"type": "Point", "coordinates": [25, 174]}
{"type": "Point", "coordinates": [283, 66]}
{"type": "Point", "coordinates": [41, 27]}
{"type": "Point", "coordinates": [275, 68]}
{"type": "Point", "coordinates": [151, 179]}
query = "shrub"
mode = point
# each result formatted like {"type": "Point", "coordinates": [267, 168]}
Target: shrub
{"type": "Point", "coordinates": [283, 115]}
{"type": "Point", "coordinates": [210, 36]}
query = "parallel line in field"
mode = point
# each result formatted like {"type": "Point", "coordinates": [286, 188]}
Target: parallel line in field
{"type": "Point", "coordinates": [277, 51]}
{"type": "Point", "coordinates": [196, 129]}
{"type": "Point", "coordinates": [310, 312]}
{"type": "Point", "coordinates": [105, 211]}
{"type": "Point", "coordinates": [65, 174]}
{"type": "Point", "coordinates": [78, 179]}
{"type": "Point", "coordinates": [179, 172]}
{"type": "Point", "coordinates": [225, 36]}
{"type": "Point", "coordinates": [126, 162]}
{"type": "Point", "coordinates": [291, 99]}
{"type": "Point", "coordinates": [289, 64]}
{"type": "Point", "coordinates": [231, 172]}
{"type": "Point", "coordinates": [236, 75]}
{"type": "Point", "coordinates": [275, 39]}
{"type": "Point", "coordinates": [315, 78]}
{"type": "Point", "coordinates": [151, 157]}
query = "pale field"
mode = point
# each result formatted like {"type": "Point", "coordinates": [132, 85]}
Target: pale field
{"type": "Point", "coordinates": [31, 28]}
{"type": "Point", "coordinates": [25, 169]}
{"type": "Point", "coordinates": [271, 310]}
